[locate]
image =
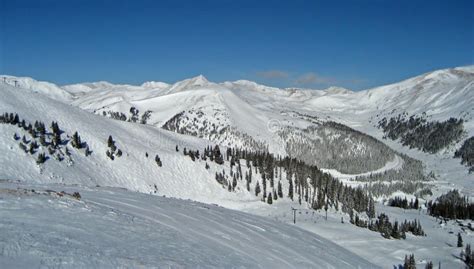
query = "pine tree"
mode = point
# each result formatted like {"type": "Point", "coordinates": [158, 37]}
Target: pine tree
{"type": "Point", "coordinates": [76, 140]}
{"type": "Point", "coordinates": [32, 148]}
{"type": "Point", "coordinates": [87, 152]}
{"type": "Point", "coordinates": [280, 191]}
{"type": "Point", "coordinates": [234, 182]}
{"type": "Point", "coordinates": [41, 158]}
{"type": "Point", "coordinates": [371, 208]}
{"type": "Point", "coordinates": [467, 255]}
{"type": "Point", "coordinates": [395, 232]}
{"type": "Point", "coordinates": [269, 199]}
{"type": "Point", "coordinates": [158, 161]}
{"type": "Point", "coordinates": [257, 188]}
{"type": "Point", "coordinates": [429, 265]}
{"type": "Point", "coordinates": [42, 140]}
{"type": "Point", "coordinates": [23, 147]}
{"type": "Point", "coordinates": [110, 142]}
{"type": "Point", "coordinates": [416, 206]}
{"type": "Point", "coordinates": [217, 155]}
{"type": "Point", "coordinates": [412, 262]}
{"type": "Point", "coordinates": [109, 154]}
{"type": "Point", "coordinates": [290, 189]}
{"type": "Point", "coordinates": [460, 245]}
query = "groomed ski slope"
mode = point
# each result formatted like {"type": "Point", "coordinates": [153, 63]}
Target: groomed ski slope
{"type": "Point", "coordinates": [116, 228]}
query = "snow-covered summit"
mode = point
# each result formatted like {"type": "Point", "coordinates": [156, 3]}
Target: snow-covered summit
{"type": "Point", "coordinates": [190, 83]}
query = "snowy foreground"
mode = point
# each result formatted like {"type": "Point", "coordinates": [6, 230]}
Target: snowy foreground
{"type": "Point", "coordinates": [110, 227]}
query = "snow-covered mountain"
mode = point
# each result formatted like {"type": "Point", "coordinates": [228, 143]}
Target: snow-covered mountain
{"type": "Point", "coordinates": [440, 94]}
{"type": "Point", "coordinates": [246, 114]}
{"type": "Point", "coordinates": [334, 129]}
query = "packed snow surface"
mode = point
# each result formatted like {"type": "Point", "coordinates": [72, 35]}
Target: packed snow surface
{"type": "Point", "coordinates": [115, 228]}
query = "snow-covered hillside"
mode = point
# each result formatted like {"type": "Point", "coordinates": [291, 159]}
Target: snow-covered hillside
{"type": "Point", "coordinates": [311, 125]}
{"type": "Point", "coordinates": [249, 106]}
{"type": "Point", "coordinates": [115, 228]}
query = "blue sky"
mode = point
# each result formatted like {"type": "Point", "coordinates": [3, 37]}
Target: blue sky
{"type": "Point", "coordinates": [314, 44]}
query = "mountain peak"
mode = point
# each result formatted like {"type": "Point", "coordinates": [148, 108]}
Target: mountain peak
{"type": "Point", "coordinates": [199, 80]}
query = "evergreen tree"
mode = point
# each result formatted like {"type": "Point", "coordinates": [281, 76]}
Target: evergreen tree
{"type": "Point", "coordinates": [371, 208]}
{"type": "Point", "coordinates": [290, 188]}
{"type": "Point", "coordinates": [158, 160]}
{"type": "Point", "coordinates": [280, 191]}
{"type": "Point", "coordinates": [395, 232]}
{"type": "Point", "coordinates": [217, 155]}
{"type": "Point", "coordinates": [460, 245]}
{"type": "Point", "coordinates": [412, 262]}
{"type": "Point", "coordinates": [110, 142]}
{"type": "Point", "coordinates": [416, 206]}
{"type": "Point", "coordinates": [269, 199]}
{"type": "Point", "coordinates": [23, 147]}
{"type": "Point", "coordinates": [42, 140]}
{"type": "Point", "coordinates": [41, 158]}
{"type": "Point", "coordinates": [257, 189]}
{"type": "Point", "coordinates": [87, 152]}
{"type": "Point", "coordinates": [409, 262]}
{"type": "Point", "coordinates": [468, 255]}
{"type": "Point", "coordinates": [234, 182]}
{"type": "Point", "coordinates": [76, 140]}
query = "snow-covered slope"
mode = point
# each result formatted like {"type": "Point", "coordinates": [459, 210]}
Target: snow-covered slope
{"type": "Point", "coordinates": [43, 87]}
{"type": "Point", "coordinates": [136, 223]}
{"type": "Point", "coordinates": [239, 111]}
{"type": "Point", "coordinates": [115, 228]}
{"type": "Point", "coordinates": [133, 170]}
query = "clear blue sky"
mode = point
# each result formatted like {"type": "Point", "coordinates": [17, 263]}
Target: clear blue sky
{"type": "Point", "coordinates": [356, 44]}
